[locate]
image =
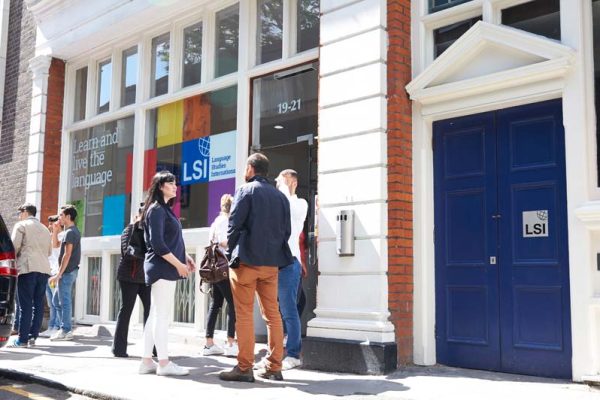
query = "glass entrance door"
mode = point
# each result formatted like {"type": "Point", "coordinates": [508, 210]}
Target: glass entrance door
{"type": "Point", "coordinates": [284, 128]}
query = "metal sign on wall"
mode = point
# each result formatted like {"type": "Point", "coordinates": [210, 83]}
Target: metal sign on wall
{"type": "Point", "coordinates": [535, 223]}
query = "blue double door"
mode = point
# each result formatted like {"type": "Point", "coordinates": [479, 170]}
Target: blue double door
{"type": "Point", "coordinates": [502, 272]}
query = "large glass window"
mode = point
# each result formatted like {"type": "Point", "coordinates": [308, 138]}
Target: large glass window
{"type": "Point", "coordinates": [100, 177]}
{"type": "Point", "coordinates": [541, 17]}
{"type": "Point", "coordinates": [269, 33]}
{"type": "Point", "coordinates": [104, 85]}
{"type": "Point", "coordinates": [192, 54]}
{"type": "Point", "coordinates": [160, 65]}
{"type": "Point", "coordinates": [80, 94]}
{"type": "Point", "coordinates": [129, 76]}
{"type": "Point", "coordinates": [308, 25]}
{"type": "Point", "coordinates": [445, 36]}
{"type": "Point", "coordinates": [285, 106]}
{"type": "Point", "coordinates": [227, 40]}
{"type": "Point", "coordinates": [437, 5]}
{"type": "Point", "coordinates": [195, 139]}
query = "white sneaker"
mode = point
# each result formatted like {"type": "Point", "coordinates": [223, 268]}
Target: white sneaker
{"type": "Point", "coordinates": [147, 369]}
{"type": "Point", "coordinates": [62, 335]}
{"type": "Point", "coordinates": [290, 362]}
{"type": "Point", "coordinates": [171, 369]}
{"type": "Point", "coordinates": [48, 332]}
{"type": "Point", "coordinates": [213, 350]}
{"type": "Point", "coordinates": [262, 364]}
{"type": "Point", "coordinates": [232, 351]}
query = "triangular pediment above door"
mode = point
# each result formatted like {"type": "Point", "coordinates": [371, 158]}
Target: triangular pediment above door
{"type": "Point", "coordinates": [490, 57]}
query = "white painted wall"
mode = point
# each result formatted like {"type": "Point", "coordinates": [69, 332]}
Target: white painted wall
{"type": "Point", "coordinates": [352, 298]}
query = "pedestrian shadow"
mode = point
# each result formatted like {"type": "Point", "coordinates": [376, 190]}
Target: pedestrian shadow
{"type": "Point", "coordinates": [206, 370]}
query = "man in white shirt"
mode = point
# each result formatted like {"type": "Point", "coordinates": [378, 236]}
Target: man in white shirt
{"type": "Point", "coordinates": [289, 276]}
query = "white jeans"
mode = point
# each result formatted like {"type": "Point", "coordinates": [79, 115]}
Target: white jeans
{"type": "Point", "coordinates": [157, 326]}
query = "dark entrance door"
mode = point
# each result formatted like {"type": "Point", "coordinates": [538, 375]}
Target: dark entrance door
{"type": "Point", "coordinates": [502, 272]}
{"type": "Point", "coordinates": [284, 112]}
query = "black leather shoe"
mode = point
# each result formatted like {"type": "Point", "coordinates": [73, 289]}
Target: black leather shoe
{"type": "Point", "coordinates": [272, 375]}
{"type": "Point", "coordinates": [236, 374]}
{"type": "Point", "coordinates": [121, 355]}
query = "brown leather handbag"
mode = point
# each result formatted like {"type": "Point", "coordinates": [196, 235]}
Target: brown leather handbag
{"type": "Point", "coordinates": [214, 266]}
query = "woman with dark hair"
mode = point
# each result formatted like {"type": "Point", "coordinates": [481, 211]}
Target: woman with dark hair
{"type": "Point", "coordinates": [166, 262]}
{"type": "Point", "coordinates": [130, 274]}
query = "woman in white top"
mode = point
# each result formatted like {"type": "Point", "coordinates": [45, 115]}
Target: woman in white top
{"type": "Point", "coordinates": [221, 291]}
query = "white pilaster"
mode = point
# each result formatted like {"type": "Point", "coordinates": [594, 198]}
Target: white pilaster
{"type": "Point", "coordinates": [39, 67]}
{"type": "Point", "coordinates": [352, 295]}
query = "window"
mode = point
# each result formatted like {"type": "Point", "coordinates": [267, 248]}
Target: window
{"type": "Point", "coordinates": [129, 76]}
{"type": "Point", "coordinates": [226, 57]}
{"type": "Point", "coordinates": [116, 297]}
{"type": "Point", "coordinates": [437, 5]}
{"type": "Point", "coordinates": [195, 139]}
{"type": "Point", "coordinates": [445, 36]}
{"type": "Point", "coordinates": [100, 177]}
{"type": "Point", "coordinates": [541, 17]}
{"type": "Point", "coordinates": [192, 54]}
{"type": "Point", "coordinates": [308, 25]}
{"type": "Point", "coordinates": [160, 65]}
{"type": "Point", "coordinates": [94, 271]}
{"type": "Point", "coordinates": [104, 85]}
{"type": "Point", "coordinates": [184, 307]}
{"type": "Point", "coordinates": [269, 33]}
{"type": "Point", "coordinates": [80, 94]}
{"type": "Point", "coordinates": [285, 106]}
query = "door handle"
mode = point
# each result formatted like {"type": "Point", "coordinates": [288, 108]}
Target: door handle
{"type": "Point", "coordinates": [493, 260]}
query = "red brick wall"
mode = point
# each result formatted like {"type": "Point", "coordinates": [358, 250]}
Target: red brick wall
{"type": "Point", "coordinates": [400, 208]}
{"type": "Point", "coordinates": [52, 140]}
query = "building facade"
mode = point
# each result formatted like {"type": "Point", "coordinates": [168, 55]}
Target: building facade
{"type": "Point", "coordinates": [461, 134]}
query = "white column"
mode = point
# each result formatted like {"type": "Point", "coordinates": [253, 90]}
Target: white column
{"type": "Point", "coordinates": [352, 295]}
{"type": "Point", "coordinates": [39, 67]}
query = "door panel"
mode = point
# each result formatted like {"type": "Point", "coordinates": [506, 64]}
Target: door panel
{"type": "Point", "coordinates": [500, 191]}
{"type": "Point", "coordinates": [467, 331]}
{"type": "Point", "coordinates": [534, 278]}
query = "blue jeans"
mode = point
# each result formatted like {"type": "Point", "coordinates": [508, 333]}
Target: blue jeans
{"type": "Point", "coordinates": [62, 301]}
{"type": "Point", "coordinates": [30, 289]}
{"type": "Point", "coordinates": [54, 319]}
{"type": "Point", "coordinates": [288, 281]}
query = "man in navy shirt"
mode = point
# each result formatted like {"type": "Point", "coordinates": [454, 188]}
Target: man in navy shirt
{"type": "Point", "coordinates": [259, 229]}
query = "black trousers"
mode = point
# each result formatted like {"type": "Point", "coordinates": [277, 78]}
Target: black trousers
{"type": "Point", "coordinates": [221, 291]}
{"type": "Point", "coordinates": [129, 292]}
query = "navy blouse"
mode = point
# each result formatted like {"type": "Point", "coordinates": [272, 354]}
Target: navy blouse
{"type": "Point", "coordinates": [163, 235]}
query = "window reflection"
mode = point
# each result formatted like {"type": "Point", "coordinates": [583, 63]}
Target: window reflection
{"type": "Point", "coordinates": [226, 57]}
{"type": "Point", "coordinates": [129, 76]}
{"type": "Point", "coordinates": [104, 85]}
{"type": "Point", "coordinates": [270, 30]}
{"type": "Point", "coordinates": [160, 65]}
{"type": "Point", "coordinates": [192, 54]}
{"type": "Point", "coordinates": [80, 94]}
{"type": "Point", "coordinates": [308, 25]}
{"type": "Point", "coordinates": [541, 17]}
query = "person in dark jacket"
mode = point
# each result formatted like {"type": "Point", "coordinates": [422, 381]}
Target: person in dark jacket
{"type": "Point", "coordinates": [166, 262]}
{"type": "Point", "coordinates": [132, 283]}
{"type": "Point", "coordinates": [259, 229]}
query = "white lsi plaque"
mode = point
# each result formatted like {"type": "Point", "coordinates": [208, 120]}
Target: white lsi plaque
{"type": "Point", "coordinates": [535, 223]}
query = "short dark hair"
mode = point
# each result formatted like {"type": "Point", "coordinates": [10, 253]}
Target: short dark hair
{"type": "Point", "coordinates": [260, 163]}
{"type": "Point", "coordinates": [53, 218]}
{"type": "Point", "coordinates": [29, 208]}
{"type": "Point", "coordinates": [69, 210]}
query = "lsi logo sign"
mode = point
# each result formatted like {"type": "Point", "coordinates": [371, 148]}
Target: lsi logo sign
{"type": "Point", "coordinates": [535, 223]}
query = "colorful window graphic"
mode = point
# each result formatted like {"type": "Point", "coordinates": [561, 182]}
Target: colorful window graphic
{"type": "Point", "coordinates": [195, 139]}
{"type": "Point", "coordinates": [100, 177]}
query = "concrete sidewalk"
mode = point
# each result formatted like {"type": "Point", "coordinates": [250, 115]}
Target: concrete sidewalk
{"type": "Point", "coordinates": [87, 366]}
